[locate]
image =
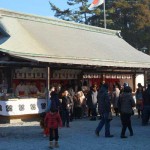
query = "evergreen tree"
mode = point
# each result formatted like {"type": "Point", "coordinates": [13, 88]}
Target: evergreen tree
{"type": "Point", "coordinates": [132, 17]}
{"type": "Point", "coordinates": [79, 12]}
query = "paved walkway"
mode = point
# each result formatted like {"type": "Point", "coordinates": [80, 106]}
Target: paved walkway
{"type": "Point", "coordinates": [28, 136]}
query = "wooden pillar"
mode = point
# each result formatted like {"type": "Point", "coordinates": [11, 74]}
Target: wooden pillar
{"type": "Point", "coordinates": [134, 82]}
{"type": "Point", "coordinates": [145, 78]}
{"type": "Point", "coordinates": [48, 82]}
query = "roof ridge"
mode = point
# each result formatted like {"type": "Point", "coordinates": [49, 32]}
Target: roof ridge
{"type": "Point", "coordinates": [37, 18]}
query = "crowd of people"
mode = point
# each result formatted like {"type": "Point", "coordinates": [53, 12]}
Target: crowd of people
{"type": "Point", "coordinates": [97, 103]}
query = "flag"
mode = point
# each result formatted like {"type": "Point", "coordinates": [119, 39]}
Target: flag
{"type": "Point", "coordinates": [96, 3]}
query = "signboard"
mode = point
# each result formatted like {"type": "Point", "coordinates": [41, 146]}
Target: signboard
{"type": "Point", "coordinates": [30, 73]}
{"type": "Point", "coordinates": [22, 106]}
{"type": "Point", "coordinates": [65, 74]}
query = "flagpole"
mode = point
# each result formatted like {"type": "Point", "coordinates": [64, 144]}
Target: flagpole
{"type": "Point", "coordinates": [104, 15]}
{"type": "Point", "coordinates": [97, 3]}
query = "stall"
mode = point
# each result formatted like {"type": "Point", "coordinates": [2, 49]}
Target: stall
{"type": "Point", "coordinates": [24, 106]}
{"type": "Point", "coordinates": [26, 94]}
{"type": "Point", "coordinates": [40, 52]}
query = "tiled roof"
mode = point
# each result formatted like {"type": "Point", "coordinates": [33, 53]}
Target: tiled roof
{"type": "Point", "coordinates": [53, 40]}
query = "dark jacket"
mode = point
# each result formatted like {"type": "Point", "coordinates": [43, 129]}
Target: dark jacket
{"type": "Point", "coordinates": [55, 103]}
{"type": "Point", "coordinates": [66, 103]}
{"type": "Point", "coordinates": [125, 103]}
{"type": "Point", "coordinates": [53, 120]}
{"type": "Point", "coordinates": [146, 97]}
{"type": "Point", "coordinates": [104, 105]}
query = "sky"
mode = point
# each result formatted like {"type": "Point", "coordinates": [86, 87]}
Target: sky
{"type": "Point", "coordinates": [36, 7]}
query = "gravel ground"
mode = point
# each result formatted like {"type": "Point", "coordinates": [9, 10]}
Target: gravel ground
{"type": "Point", "coordinates": [80, 136]}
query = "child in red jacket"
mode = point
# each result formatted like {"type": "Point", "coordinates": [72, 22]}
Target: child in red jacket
{"type": "Point", "coordinates": [53, 121]}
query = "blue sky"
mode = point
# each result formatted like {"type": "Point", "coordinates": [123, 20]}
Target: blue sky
{"type": "Point", "coordinates": [37, 7]}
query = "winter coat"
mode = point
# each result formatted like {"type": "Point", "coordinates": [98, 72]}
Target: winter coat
{"type": "Point", "coordinates": [125, 103]}
{"type": "Point", "coordinates": [115, 97]}
{"type": "Point", "coordinates": [55, 103]}
{"type": "Point", "coordinates": [53, 120]}
{"type": "Point", "coordinates": [104, 105]}
{"type": "Point", "coordinates": [66, 103]}
{"type": "Point", "coordinates": [139, 99]}
{"type": "Point", "coordinates": [77, 102]}
{"type": "Point", "coordinates": [146, 97]}
{"type": "Point", "coordinates": [79, 99]}
{"type": "Point", "coordinates": [91, 101]}
{"type": "Point", "coordinates": [80, 96]}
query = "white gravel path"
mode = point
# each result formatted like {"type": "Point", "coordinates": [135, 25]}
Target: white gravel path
{"type": "Point", "coordinates": [80, 136]}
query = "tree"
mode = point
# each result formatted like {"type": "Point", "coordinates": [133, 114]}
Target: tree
{"type": "Point", "coordinates": [80, 12]}
{"type": "Point", "coordinates": [133, 19]}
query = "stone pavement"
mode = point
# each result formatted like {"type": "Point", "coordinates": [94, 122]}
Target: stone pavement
{"type": "Point", "coordinates": [80, 136]}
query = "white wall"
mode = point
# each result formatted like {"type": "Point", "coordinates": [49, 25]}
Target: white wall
{"type": "Point", "coordinates": [139, 79]}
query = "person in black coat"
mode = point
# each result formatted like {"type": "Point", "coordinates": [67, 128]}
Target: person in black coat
{"type": "Point", "coordinates": [104, 107]}
{"type": "Point", "coordinates": [146, 106]}
{"type": "Point", "coordinates": [66, 106]}
{"type": "Point", "coordinates": [125, 104]}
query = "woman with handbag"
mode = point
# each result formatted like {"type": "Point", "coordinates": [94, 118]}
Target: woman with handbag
{"type": "Point", "coordinates": [125, 104]}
